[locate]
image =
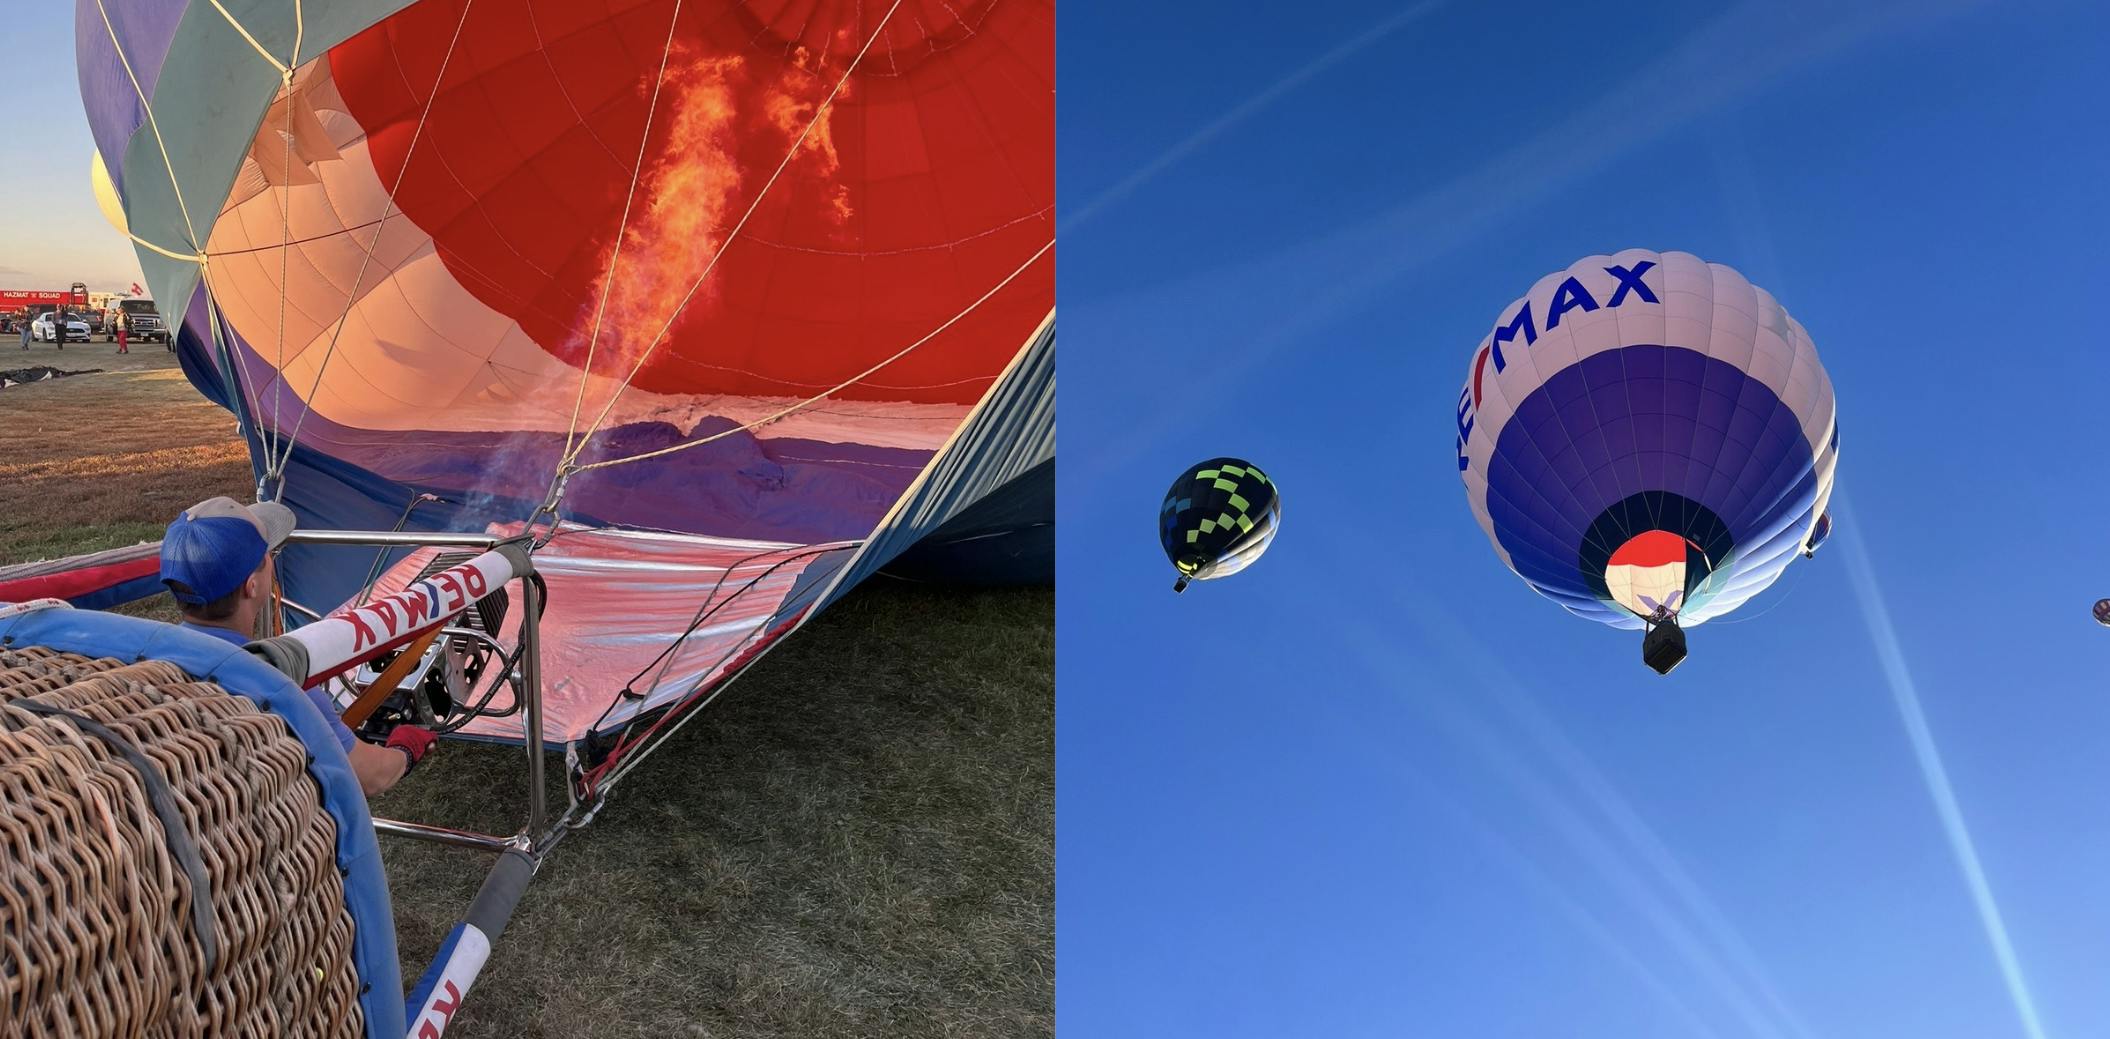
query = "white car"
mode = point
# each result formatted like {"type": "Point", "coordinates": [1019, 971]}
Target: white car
{"type": "Point", "coordinates": [43, 330]}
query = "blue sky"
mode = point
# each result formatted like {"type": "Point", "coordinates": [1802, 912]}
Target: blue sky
{"type": "Point", "coordinates": [1375, 786]}
{"type": "Point", "coordinates": [51, 234]}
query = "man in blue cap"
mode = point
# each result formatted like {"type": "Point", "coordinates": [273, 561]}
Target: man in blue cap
{"type": "Point", "coordinates": [217, 559]}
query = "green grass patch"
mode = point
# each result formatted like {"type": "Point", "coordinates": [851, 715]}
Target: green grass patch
{"type": "Point", "coordinates": [857, 840]}
{"type": "Point", "coordinates": [23, 541]}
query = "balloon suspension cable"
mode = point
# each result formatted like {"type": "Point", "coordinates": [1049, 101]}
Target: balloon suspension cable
{"type": "Point", "coordinates": [803, 404]}
{"type": "Point", "coordinates": [710, 606]}
{"type": "Point", "coordinates": [388, 209]}
{"type": "Point", "coordinates": [246, 397]}
{"type": "Point", "coordinates": [190, 227]}
{"type": "Point", "coordinates": [261, 50]}
{"type": "Point", "coordinates": [820, 112]}
{"type": "Point", "coordinates": [625, 754]}
{"type": "Point", "coordinates": [285, 244]}
{"type": "Point", "coordinates": [373, 574]}
{"type": "Point", "coordinates": [550, 507]}
{"type": "Point", "coordinates": [1709, 560]}
{"type": "Point", "coordinates": [271, 484]}
{"type": "Point", "coordinates": [622, 229]}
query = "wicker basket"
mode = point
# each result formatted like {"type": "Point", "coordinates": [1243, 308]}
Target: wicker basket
{"type": "Point", "coordinates": [232, 923]}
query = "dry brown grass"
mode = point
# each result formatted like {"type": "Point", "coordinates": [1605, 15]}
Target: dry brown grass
{"type": "Point", "coordinates": [96, 461]}
{"type": "Point", "coordinates": [859, 841]}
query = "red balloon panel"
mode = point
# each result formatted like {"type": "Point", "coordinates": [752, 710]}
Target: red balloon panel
{"type": "Point", "coordinates": [928, 182]}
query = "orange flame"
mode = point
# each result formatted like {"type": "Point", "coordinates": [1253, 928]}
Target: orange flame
{"type": "Point", "coordinates": [696, 190]}
{"type": "Point", "coordinates": [678, 217]}
{"type": "Point", "coordinates": [790, 114]}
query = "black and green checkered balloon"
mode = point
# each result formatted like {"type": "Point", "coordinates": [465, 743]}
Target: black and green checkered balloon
{"type": "Point", "coordinates": [1218, 517]}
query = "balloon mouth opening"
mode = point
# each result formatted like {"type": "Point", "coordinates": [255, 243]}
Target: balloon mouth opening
{"type": "Point", "coordinates": [1647, 574]}
{"type": "Point", "coordinates": [1654, 553]}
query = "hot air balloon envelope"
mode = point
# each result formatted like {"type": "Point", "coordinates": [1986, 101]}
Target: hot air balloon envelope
{"type": "Point", "coordinates": [752, 297]}
{"type": "Point", "coordinates": [1217, 518]}
{"type": "Point", "coordinates": [1647, 434]}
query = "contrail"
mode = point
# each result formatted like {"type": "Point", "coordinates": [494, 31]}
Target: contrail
{"type": "Point", "coordinates": [1545, 887]}
{"type": "Point", "coordinates": [1585, 779]}
{"type": "Point", "coordinates": [1740, 52]}
{"type": "Point", "coordinates": [1238, 113]}
{"type": "Point", "coordinates": [1687, 919]}
{"type": "Point", "coordinates": [1672, 899]}
{"type": "Point", "coordinates": [1603, 855]}
{"type": "Point", "coordinates": [1906, 695]}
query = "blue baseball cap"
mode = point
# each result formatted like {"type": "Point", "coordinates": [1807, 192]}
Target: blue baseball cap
{"type": "Point", "coordinates": [213, 546]}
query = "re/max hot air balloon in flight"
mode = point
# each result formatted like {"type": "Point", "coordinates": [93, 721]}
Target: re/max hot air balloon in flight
{"type": "Point", "coordinates": [1648, 439]}
{"type": "Point", "coordinates": [1217, 519]}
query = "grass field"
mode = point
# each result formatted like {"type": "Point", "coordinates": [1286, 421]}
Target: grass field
{"type": "Point", "coordinates": [858, 840]}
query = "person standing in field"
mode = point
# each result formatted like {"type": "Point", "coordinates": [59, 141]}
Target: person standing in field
{"type": "Point", "coordinates": [27, 320]}
{"type": "Point", "coordinates": [118, 317]}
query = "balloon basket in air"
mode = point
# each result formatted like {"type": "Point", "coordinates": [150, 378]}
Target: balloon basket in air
{"type": "Point", "coordinates": [1663, 648]}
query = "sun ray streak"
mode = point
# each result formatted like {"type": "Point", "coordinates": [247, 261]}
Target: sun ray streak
{"type": "Point", "coordinates": [1905, 693]}
{"type": "Point", "coordinates": [1541, 884]}
{"type": "Point", "coordinates": [1601, 824]}
{"type": "Point", "coordinates": [1693, 931]}
{"type": "Point", "coordinates": [1580, 778]}
{"type": "Point", "coordinates": [1238, 113]}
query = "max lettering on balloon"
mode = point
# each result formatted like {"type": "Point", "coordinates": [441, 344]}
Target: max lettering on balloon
{"type": "Point", "coordinates": [1571, 295]}
{"type": "Point", "coordinates": [442, 595]}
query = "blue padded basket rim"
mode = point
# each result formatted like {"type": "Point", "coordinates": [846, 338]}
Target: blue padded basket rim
{"type": "Point", "coordinates": [134, 639]}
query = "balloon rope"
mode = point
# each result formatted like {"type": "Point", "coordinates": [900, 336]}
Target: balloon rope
{"type": "Point", "coordinates": [819, 112]}
{"type": "Point", "coordinates": [285, 212]}
{"type": "Point", "coordinates": [285, 218]}
{"type": "Point", "coordinates": [1774, 605]}
{"type": "Point", "coordinates": [234, 369]}
{"type": "Point", "coordinates": [831, 391]}
{"type": "Point", "coordinates": [154, 125]}
{"type": "Point", "coordinates": [285, 242]}
{"type": "Point", "coordinates": [709, 606]}
{"type": "Point", "coordinates": [165, 251]}
{"type": "Point", "coordinates": [622, 229]}
{"type": "Point", "coordinates": [283, 70]}
{"type": "Point", "coordinates": [388, 208]}
{"type": "Point", "coordinates": [627, 753]}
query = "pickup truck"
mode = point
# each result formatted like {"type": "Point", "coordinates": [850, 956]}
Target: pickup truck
{"type": "Point", "coordinates": [142, 321]}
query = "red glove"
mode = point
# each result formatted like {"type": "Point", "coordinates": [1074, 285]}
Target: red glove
{"type": "Point", "coordinates": [413, 742]}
